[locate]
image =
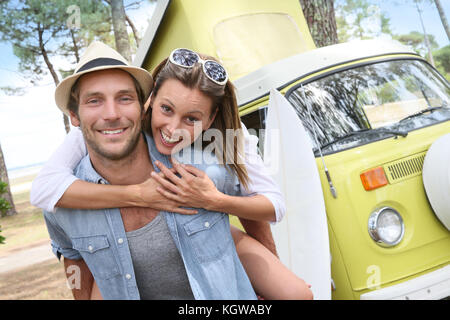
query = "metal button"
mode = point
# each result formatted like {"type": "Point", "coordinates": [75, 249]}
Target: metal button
{"type": "Point", "coordinates": [128, 276]}
{"type": "Point", "coordinates": [206, 224]}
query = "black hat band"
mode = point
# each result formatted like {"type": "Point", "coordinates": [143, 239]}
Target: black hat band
{"type": "Point", "coordinates": [100, 62]}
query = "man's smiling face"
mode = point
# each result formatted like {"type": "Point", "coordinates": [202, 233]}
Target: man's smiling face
{"type": "Point", "coordinates": [109, 113]}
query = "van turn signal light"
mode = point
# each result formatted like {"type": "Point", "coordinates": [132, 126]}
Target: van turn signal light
{"type": "Point", "coordinates": [373, 178]}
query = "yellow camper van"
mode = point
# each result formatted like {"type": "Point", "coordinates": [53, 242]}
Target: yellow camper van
{"type": "Point", "coordinates": [375, 108]}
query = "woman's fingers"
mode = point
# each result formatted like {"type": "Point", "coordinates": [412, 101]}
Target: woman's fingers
{"type": "Point", "coordinates": [168, 173]}
{"type": "Point", "coordinates": [187, 176]}
{"type": "Point", "coordinates": [169, 195]}
{"type": "Point", "coordinates": [183, 211]}
{"type": "Point", "coordinates": [166, 184]}
{"type": "Point", "coordinates": [193, 170]}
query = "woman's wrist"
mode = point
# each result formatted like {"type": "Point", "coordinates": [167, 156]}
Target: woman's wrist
{"type": "Point", "coordinates": [134, 195]}
{"type": "Point", "coordinates": [218, 202]}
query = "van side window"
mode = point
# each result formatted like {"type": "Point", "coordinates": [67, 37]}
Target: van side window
{"type": "Point", "coordinates": [256, 123]}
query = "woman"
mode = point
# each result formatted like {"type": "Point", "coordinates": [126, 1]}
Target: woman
{"type": "Point", "coordinates": [204, 97]}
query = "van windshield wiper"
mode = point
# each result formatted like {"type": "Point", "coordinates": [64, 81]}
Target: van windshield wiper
{"type": "Point", "coordinates": [421, 112]}
{"type": "Point", "coordinates": [365, 131]}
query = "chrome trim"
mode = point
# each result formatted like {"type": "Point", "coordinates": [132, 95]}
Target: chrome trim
{"type": "Point", "coordinates": [372, 227]}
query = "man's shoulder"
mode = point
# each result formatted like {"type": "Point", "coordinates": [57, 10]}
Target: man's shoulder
{"type": "Point", "coordinates": [85, 171]}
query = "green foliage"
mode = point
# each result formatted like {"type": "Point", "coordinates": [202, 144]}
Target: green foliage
{"type": "Point", "coordinates": [2, 239]}
{"type": "Point", "coordinates": [416, 41]}
{"type": "Point", "coordinates": [4, 206]}
{"type": "Point", "coordinates": [40, 30]}
{"type": "Point", "coordinates": [442, 59]}
{"type": "Point", "coordinates": [359, 19]}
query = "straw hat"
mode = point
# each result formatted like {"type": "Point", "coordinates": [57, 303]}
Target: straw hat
{"type": "Point", "coordinates": [99, 56]}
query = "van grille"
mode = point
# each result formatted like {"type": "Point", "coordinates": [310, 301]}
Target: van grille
{"type": "Point", "coordinates": [405, 168]}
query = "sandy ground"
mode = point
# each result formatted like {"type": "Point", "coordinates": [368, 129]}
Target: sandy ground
{"type": "Point", "coordinates": [23, 257]}
{"type": "Point", "coordinates": [28, 269]}
{"type": "Point", "coordinates": [40, 281]}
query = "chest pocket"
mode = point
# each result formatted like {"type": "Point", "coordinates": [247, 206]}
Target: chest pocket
{"type": "Point", "coordinates": [98, 255]}
{"type": "Point", "coordinates": [209, 235]}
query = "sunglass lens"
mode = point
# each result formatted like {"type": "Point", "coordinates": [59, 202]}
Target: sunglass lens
{"type": "Point", "coordinates": [185, 57]}
{"type": "Point", "coordinates": [215, 71]}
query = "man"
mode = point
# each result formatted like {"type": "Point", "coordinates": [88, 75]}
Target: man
{"type": "Point", "coordinates": [107, 97]}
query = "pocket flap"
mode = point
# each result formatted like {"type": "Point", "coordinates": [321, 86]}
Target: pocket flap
{"type": "Point", "coordinates": [90, 244]}
{"type": "Point", "coordinates": [202, 222]}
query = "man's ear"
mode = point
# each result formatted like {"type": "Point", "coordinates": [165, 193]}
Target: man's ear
{"type": "Point", "coordinates": [74, 119]}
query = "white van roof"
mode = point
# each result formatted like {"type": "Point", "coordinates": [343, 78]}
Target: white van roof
{"type": "Point", "coordinates": [282, 72]}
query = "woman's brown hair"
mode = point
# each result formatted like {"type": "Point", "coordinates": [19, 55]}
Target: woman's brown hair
{"type": "Point", "coordinates": [224, 101]}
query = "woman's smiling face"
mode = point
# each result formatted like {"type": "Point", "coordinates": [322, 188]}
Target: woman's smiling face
{"type": "Point", "coordinates": [176, 111]}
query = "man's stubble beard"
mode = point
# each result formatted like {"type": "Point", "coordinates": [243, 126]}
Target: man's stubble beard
{"type": "Point", "coordinates": [106, 155]}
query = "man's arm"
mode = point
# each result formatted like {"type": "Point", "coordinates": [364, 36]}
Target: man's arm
{"type": "Point", "coordinates": [260, 230]}
{"type": "Point", "coordinates": [80, 278]}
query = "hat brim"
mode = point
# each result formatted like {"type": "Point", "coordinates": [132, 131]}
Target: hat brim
{"type": "Point", "coordinates": [62, 92]}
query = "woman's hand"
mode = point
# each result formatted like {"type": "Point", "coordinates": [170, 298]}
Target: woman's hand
{"type": "Point", "coordinates": [155, 200]}
{"type": "Point", "coordinates": [194, 189]}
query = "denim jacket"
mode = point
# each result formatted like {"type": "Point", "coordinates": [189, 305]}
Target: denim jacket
{"type": "Point", "coordinates": [203, 240]}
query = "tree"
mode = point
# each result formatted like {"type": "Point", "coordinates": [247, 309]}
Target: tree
{"type": "Point", "coordinates": [443, 18]}
{"type": "Point", "coordinates": [120, 28]}
{"type": "Point", "coordinates": [31, 26]}
{"type": "Point", "coordinates": [416, 41]}
{"type": "Point", "coordinates": [2, 239]}
{"type": "Point", "coordinates": [442, 57]}
{"type": "Point", "coordinates": [359, 19]}
{"type": "Point", "coordinates": [426, 37]}
{"type": "Point", "coordinates": [320, 16]}
{"type": "Point", "coordinates": [7, 205]}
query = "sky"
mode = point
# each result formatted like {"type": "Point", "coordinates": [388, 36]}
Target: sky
{"type": "Point", "coordinates": [31, 126]}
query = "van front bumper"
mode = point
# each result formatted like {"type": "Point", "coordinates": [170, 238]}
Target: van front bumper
{"type": "Point", "coordinates": [431, 286]}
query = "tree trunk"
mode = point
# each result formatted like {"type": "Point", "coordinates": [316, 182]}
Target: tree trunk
{"type": "Point", "coordinates": [427, 41]}
{"type": "Point", "coordinates": [75, 46]}
{"type": "Point", "coordinates": [4, 178]}
{"type": "Point", "coordinates": [52, 72]}
{"type": "Point", "coordinates": [135, 32]}
{"type": "Point", "coordinates": [319, 15]}
{"type": "Point", "coordinates": [120, 29]}
{"type": "Point", "coordinates": [443, 18]}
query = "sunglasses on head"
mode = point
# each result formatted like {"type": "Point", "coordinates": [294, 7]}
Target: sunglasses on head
{"type": "Point", "coordinates": [212, 69]}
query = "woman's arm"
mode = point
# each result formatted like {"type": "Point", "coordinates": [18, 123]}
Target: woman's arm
{"type": "Point", "coordinates": [57, 174]}
{"type": "Point", "coordinates": [57, 186]}
{"type": "Point", "coordinates": [261, 182]}
{"type": "Point", "coordinates": [85, 195]}
{"type": "Point", "coordinates": [195, 189]}
{"type": "Point", "coordinates": [262, 200]}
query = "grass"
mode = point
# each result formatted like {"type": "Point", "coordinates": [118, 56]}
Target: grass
{"type": "Point", "coordinates": [24, 228]}
{"type": "Point", "coordinates": [41, 281]}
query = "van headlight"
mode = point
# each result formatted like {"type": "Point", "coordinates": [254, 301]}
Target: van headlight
{"type": "Point", "coordinates": [386, 227]}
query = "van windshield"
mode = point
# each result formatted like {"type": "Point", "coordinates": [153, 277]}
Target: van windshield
{"type": "Point", "coordinates": [377, 101]}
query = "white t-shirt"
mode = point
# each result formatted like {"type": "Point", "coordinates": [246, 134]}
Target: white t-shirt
{"type": "Point", "coordinates": [57, 174]}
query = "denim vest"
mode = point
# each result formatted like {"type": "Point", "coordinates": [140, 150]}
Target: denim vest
{"type": "Point", "coordinates": [203, 240]}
